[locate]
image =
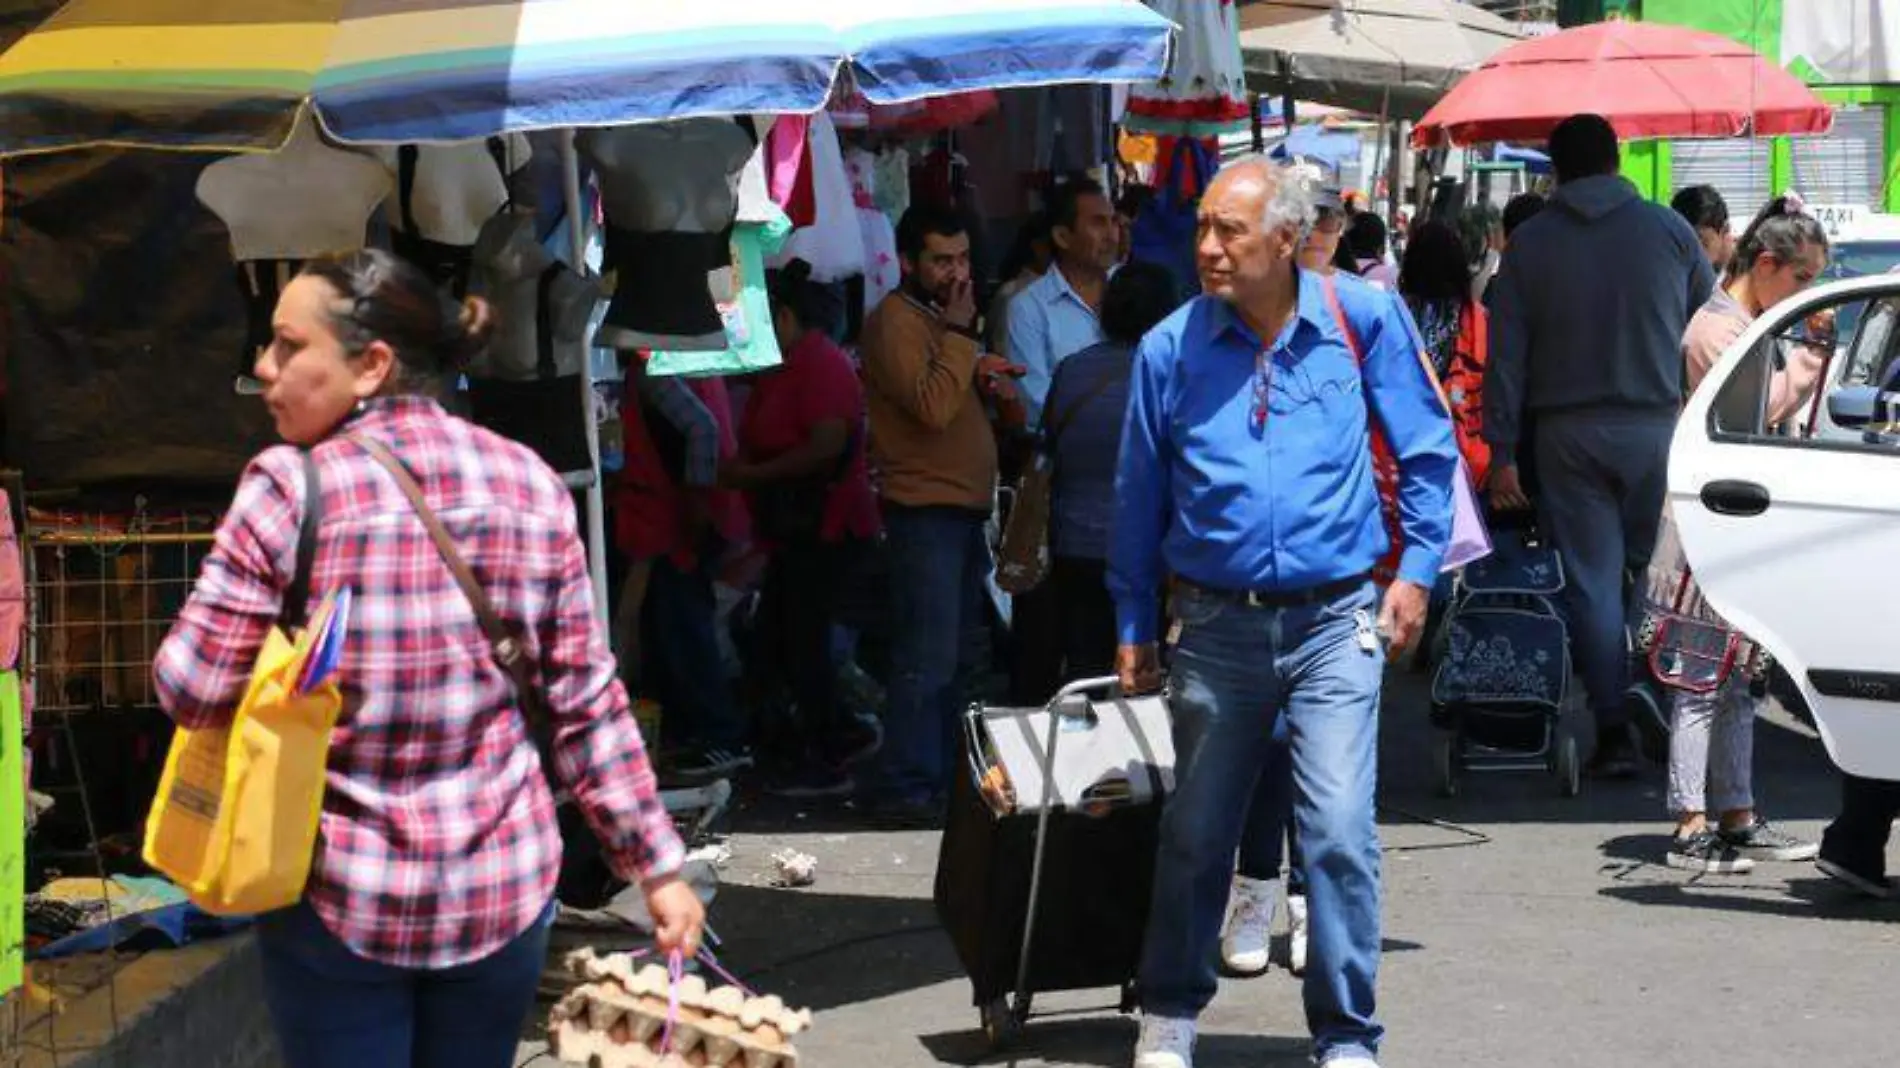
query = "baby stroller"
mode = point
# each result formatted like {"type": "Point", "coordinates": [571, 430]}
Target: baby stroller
{"type": "Point", "coordinates": [1503, 675]}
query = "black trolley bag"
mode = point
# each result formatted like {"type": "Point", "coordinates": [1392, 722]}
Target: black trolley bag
{"type": "Point", "coordinates": [1051, 893]}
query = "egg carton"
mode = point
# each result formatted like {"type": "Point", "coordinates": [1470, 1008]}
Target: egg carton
{"type": "Point", "coordinates": [617, 1018]}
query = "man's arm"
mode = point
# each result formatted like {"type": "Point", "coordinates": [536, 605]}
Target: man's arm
{"type": "Point", "coordinates": [1506, 368]}
{"type": "Point", "coordinates": [1029, 350]}
{"type": "Point", "coordinates": [681, 408]}
{"type": "Point", "coordinates": [1142, 494]}
{"type": "Point", "coordinates": [926, 373]}
{"type": "Point", "coordinates": [1418, 427]}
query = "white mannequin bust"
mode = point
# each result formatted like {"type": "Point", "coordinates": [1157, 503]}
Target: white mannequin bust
{"type": "Point", "coordinates": [458, 187]}
{"type": "Point", "coordinates": [509, 268]}
{"type": "Point", "coordinates": [304, 200]}
{"type": "Point", "coordinates": [671, 193]}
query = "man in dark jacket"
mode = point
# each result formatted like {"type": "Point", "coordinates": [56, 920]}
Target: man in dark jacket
{"type": "Point", "coordinates": [1586, 337]}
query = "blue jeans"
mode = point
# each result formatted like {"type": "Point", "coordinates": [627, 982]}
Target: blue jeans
{"type": "Point", "coordinates": [334, 1009]}
{"type": "Point", "coordinates": [1236, 674]}
{"type": "Point", "coordinates": [683, 667]}
{"type": "Point", "coordinates": [1270, 835]}
{"type": "Point", "coordinates": [938, 563]}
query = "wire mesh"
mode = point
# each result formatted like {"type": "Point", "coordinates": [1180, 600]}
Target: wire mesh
{"type": "Point", "coordinates": [103, 590]}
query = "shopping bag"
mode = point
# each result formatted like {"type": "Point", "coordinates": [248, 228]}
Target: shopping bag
{"type": "Point", "coordinates": [1470, 538]}
{"type": "Point", "coordinates": [235, 822]}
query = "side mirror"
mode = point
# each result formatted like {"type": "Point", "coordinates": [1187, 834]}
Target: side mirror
{"type": "Point", "coordinates": [1859, 406]}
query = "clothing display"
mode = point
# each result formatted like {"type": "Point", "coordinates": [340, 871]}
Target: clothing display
{"type": "Point", "coordinates": [881, 269]}
{"type": "Point", "coordinates": [333, 192]}
{"type": "Point", "coordinates": [745, 311]}
{"type": "Point", "coordinates": [891, 190]}
{"type": "Point", "coordinates": [788, 168]}
{"type": "Point", "coordinates": [445, 194]}
{"type": "Point", "coordinates": [1204, 92]}
{"type": "Point", "coordinates": [834, 243]}
{"type": "Point", "coordinates": [670, 193]}
{"type": "Point", "coordinates": [527, 385]}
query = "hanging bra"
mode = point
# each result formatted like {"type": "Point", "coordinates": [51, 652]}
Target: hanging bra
{"type": "Point", "coordinates": [448, 265]}
{"type": "Point", "coordinates": [260, 283]}
{"type": "Point", "coordinates": [660, 297]}
{"type": "Point", "coordinates": [545, 413]}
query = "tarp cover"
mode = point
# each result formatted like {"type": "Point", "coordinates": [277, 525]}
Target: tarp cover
{"type": "Point", "coordinates": [123, 325]}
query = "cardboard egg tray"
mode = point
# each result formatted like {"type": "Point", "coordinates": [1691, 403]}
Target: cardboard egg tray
{"type": "Point", "coordinates": [616, 1018]}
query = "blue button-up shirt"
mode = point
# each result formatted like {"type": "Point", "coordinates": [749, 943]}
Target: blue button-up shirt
{"type": "Point", "coordinates": [1208, 493]}
{"type": "Point", "coordinates": [1048, 323]}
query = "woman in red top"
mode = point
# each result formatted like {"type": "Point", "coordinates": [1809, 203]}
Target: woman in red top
{"type": "Point", "coordinates": [424, 926]}
{"type": "Point", "coordinates": [801, 445]}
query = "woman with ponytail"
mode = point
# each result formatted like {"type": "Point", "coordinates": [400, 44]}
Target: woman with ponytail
{"type": "Point", "coordinates": [1712, 734]}
{"type": "Point", "coordinates": [423, 931]}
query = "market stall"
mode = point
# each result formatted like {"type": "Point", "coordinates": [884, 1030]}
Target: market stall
{"type": "Point", "coordinates": [513, 149]}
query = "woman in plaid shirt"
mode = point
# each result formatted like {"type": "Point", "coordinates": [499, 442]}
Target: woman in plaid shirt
{"type": "Point", "coordinates": [424, 926]}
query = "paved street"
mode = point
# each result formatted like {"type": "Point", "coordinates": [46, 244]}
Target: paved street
{"type": "Point", "coordinates": [1521, 928]}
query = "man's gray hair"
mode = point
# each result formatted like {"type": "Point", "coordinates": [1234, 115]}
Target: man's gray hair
{"type": "Point", "coordinates": [1295, 187]}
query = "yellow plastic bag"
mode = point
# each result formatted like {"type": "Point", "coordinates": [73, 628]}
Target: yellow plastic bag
{"type": "Point", "coordinates": [235, 820]}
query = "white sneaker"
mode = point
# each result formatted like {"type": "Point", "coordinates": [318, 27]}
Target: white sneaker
{"type": "Point", "coordinates": [1351, 1060]}
{"type": "Point", "coordinates": [1296, 938]}
{"type": "Point", "coordinates": [1165, 1042]}
{"type": "Point", "coordinates": [1248, 933]}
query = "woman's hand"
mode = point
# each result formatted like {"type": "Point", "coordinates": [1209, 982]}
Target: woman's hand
{"type": "Point", "coordinates": [678, 917]}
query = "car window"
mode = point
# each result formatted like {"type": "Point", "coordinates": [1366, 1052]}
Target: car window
{"type": "Point", "coordinates": [1780, 391]}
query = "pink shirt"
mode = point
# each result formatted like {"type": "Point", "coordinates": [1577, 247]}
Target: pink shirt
{"type": "Point", "coordinates": [815, 384]}
{"type": "Point", "coordinates": [1717, 325]}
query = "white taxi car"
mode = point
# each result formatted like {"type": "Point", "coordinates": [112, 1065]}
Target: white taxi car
{"type": "Point", "coordinates": [1791, 528]}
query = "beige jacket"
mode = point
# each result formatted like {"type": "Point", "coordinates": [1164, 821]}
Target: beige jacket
{"type": "Point", "coordinates": [931, 440]}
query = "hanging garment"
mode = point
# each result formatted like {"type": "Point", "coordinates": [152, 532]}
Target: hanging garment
{"type": "Point", "coordinates": [459, 201]}
{"type": "Point", "coordinates": [788, 168]}
{"type": "Point", "coordinates": [892, 187]}
{"type": "Point", "coordinates": [1204, 92]}
{"type": "Point", "coordinates": [547, 413]}
{"type": "Point", "coordinates": [260, 283]}
{"type": "Point", "coordinates": [745, 310]}
{"type": "Point", "coordinates": [881, 271]}
{"type": "Point", "coordinates": [833, 245]}
{"type": "Point", "coordinates": [670, 191]}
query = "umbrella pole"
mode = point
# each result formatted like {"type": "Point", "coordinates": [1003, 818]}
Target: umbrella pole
{"type": "Point", "coordinates": [595, 519]}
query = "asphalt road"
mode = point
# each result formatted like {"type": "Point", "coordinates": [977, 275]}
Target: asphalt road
{"type": "Point", "coordinates": [1522, 928]}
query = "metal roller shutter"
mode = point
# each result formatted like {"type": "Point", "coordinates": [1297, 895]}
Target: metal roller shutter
{"type": "Point", "coordinates": [1845, 166]}
{"type": "Point", "coordinates": [1736, 167]}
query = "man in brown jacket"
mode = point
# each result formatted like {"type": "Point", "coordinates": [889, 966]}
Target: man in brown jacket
{"type": "Point", "coordinates": [926, 382]}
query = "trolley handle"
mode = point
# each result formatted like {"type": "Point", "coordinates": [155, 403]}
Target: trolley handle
{"type": "Point", "coordinates": [1109, 685]}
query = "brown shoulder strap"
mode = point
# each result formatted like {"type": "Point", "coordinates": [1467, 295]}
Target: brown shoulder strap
{"type": "Point", "coordinates": [507, 649]}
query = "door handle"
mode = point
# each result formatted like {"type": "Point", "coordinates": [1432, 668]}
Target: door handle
{"type": "Point", "coordinates": [1735, 497]}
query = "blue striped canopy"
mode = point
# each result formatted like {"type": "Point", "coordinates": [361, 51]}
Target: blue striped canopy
{"type": "Point", "coordinates": [231, 74]}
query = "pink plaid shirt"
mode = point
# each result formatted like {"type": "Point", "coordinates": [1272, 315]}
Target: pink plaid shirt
{"type": "Point", "coordinates": [438, 842]}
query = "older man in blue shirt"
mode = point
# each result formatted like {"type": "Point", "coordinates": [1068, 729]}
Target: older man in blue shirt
{"type": "Point", "coordinates": [1247, 476]}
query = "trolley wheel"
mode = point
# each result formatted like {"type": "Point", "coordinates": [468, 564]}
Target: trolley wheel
{"type": "Point", "coordinates": [1445, 761]}
{"type": "Point", "coordinates": [1569, 768]}
{"type": "Point", "coordinates": [1002, 1025]}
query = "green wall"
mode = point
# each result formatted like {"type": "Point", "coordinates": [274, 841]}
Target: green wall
{"type": "Point", "coordinates": [1756, 23]}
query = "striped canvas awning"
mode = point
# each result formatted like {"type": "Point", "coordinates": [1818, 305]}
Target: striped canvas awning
{"type": "Point", "coordinates": [230, 75]}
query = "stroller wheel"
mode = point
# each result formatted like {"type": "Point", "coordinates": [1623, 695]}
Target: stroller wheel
{"type": "Point", "coordinates": [1445, 759]}
{"type": "Point", "coordinates": [1569, 768]}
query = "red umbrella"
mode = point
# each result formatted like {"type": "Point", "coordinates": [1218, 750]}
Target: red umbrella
{"type": "Point", "coordinates": [1648, 80]}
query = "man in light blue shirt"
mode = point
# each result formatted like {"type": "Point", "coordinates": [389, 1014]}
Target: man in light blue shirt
{"type": "Point", "coordinates": [1059, 314]}
{"type": "Point", "coordinates": [1247, 475]}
